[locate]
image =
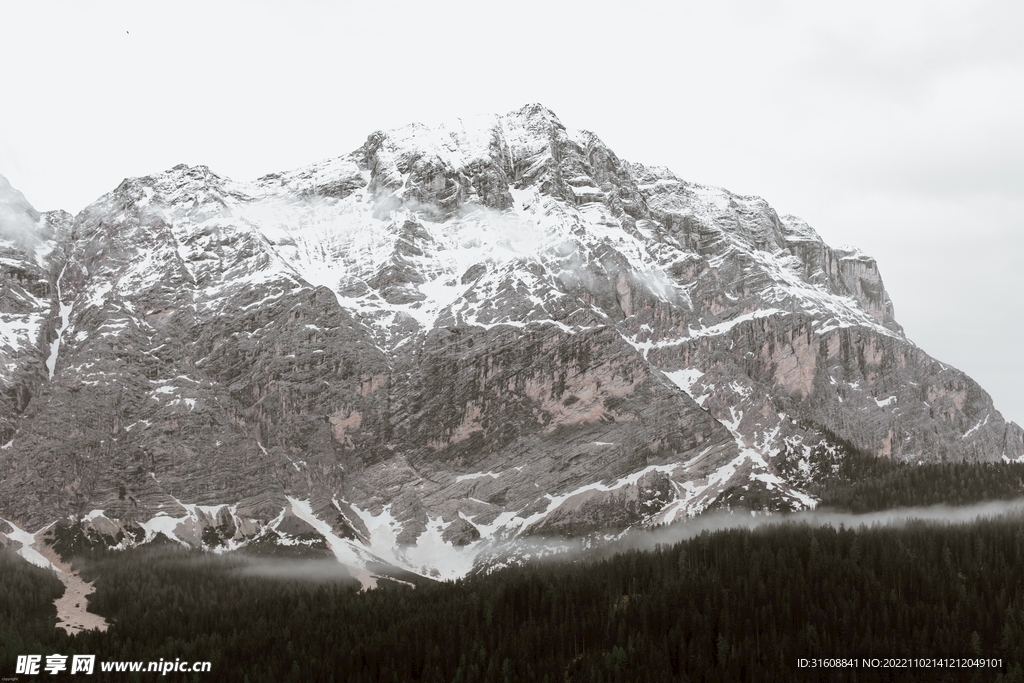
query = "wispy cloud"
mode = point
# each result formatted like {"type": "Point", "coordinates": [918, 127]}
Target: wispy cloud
{"type": "Point", "coordinates": [18, 220]}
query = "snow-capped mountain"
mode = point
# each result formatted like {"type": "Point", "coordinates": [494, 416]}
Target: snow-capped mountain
{"type": "Point", "coordinates": [447, 339]}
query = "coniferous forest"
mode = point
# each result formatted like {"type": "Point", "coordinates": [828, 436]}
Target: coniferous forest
{"type": "Point", "coordinates": [853, 480]}
{"type": "Point", "coordinates": [733, 605]}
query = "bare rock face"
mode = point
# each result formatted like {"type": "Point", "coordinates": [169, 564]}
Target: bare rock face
{"type": "Point", "coordinates": [26, 243]}
{"type": "Point", "coordinates": [447, 340]}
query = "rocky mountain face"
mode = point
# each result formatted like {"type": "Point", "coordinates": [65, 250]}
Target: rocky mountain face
{"type": "Point", "coordinates": [446, 340]}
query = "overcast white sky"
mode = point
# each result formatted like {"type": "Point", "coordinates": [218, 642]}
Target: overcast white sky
{"type": "Point", "coordinates": [896, 127]}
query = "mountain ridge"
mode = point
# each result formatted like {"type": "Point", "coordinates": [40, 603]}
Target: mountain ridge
{"type": "Point", "coordinates": [445, 340]}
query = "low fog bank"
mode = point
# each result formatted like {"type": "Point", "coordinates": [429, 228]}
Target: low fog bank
{"type": "Point", "coordinates": [897, 517]}
{"type": "Point", "coordinates": [532, 549]}
{"type": "Point", "coordinates": [239, 563]}
{"type": "Point", "coordinates": [326, 569]}
{"type": "Point", "coordinates": [595, 547]}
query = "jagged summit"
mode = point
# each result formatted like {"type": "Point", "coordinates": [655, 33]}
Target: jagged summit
{"type": "Point", "coordinates": [445, 340]}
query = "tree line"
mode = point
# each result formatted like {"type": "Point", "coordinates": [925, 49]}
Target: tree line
{"type": "Point", "coordinates": [844, 477]}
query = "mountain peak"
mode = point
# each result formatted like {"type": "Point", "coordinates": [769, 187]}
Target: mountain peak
{"type": "Point", "coordinates": [448, 339]}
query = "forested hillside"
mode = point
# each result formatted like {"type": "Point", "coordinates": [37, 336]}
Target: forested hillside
{"type": "Point", "coordinates": [27, 614]}
{"type": "Point", "coordinates": [846, 478]}
{"type": "Point", "coordinates": [728, 606]}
